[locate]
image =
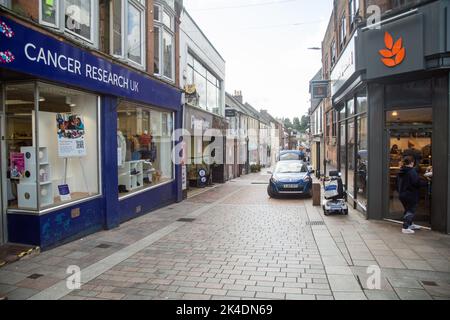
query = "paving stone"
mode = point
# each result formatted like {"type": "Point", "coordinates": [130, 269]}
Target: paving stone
{"type": "Point", "coordinates": [110, 295]}
{"type": "Point", "coordinates": [241, 293]}
{"type": "Point", "coordinates": [380, 295]}
{"type": "Point", "coordinates": [272, 296]}
{"type": "Point", "coordinates": [343, 283]}
{"type": "Point", "coordinates": [193, 296]}
{"type": "Point", "coordinates": [21, 294]}
{"type": "Point", "coordinates": [405, 283]}
{"type": "Point", "coordinates": [342, 295]}
{"type": "Point", "coordinates": [216, 292]}
{"type": "Point", "coordinates": [412, 294]}
{"type": "Point", "coordinates": [191, 290]}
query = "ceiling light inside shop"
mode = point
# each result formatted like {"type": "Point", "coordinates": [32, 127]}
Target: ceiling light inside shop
{"type": "Point", "coordinates": [17, 102]}
{"type": "Point", "coordinates": [395, 114]}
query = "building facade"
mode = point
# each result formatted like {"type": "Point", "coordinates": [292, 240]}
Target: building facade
{"type": "Point", "coordinates": [390, 88]}
{"type": "Point", "coordinates": [317, 142]}
{"type": "Point", "coordinates": [88, 103]}
{"type": "Point", "coordinates": [202, 75]}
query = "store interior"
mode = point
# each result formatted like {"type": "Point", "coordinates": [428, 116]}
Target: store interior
{"type": "Point", "coordinates": [144, 147]}
{"type": "Point", "coordinates": [410, 133]}
{"type": "Point", "coordinates": [47, 171]}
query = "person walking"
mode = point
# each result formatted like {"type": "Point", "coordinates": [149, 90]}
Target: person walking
{"type": "Point", "coordinates": [409, 184]}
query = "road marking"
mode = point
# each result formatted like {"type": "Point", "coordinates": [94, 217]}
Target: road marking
{"type": "Point", "coordinates": [60, 290]}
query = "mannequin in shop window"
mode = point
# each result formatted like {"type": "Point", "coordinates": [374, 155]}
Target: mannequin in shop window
{"type": "Point", "coordinates": [145, 141]}
{"type": "Point", "coordinates": [135, 147]}
{"type": "Point", "coordinates": [122, 145]}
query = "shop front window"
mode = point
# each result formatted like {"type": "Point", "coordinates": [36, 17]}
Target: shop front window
{"type": "Point", "coordinates": [144, 147]}
{"type": "Point", "coordinates": [362, 160]}
{"type": "Point", "coordinates": [351, 157]}
{"type": "Point", "coordinates": [60, 164]}
{"type": "Point", "coordinates": [342, 150]}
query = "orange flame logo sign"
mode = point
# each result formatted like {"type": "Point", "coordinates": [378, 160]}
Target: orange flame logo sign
{"type": "Point", "coordinates": [395, 53]}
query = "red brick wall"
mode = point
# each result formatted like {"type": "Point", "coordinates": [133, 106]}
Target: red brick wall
{"type": "Point", "coordinates": [27, 8]}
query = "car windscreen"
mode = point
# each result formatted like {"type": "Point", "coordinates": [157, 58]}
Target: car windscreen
{"type": "Point", "coordinates": [290, 156]}
{"type": "Point", "coordinates": [291, 167]}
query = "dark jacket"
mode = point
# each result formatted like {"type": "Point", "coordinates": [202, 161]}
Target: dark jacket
{"type": "Point", "coordinates": [409, 184]}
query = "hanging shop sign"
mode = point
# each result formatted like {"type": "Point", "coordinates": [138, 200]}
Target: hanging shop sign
{"type": "Point", "coordinates": [71, 136]}
{"type": "Point", "coordinates": [230, 113]}
{"type": "Point", "coordinates": [31, 52]}
{"type": "Point", "coordinates": [319, 89]}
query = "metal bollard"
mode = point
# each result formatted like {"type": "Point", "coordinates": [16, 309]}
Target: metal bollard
{"type": "Point", "coordinates": [317, 197]}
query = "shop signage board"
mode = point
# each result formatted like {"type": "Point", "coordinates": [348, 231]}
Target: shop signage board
{"type": "Point", "coordinates": [345, 68]}
{"type": "Point", "coordinates": [31, 52]}
{"type": "Point", "coordinates": [397, 47]}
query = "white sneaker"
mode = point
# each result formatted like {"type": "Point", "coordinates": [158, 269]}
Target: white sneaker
{"type": "Point", "coordinates": [415, 227]}
{"type": "Point", "coordinates": [408, 231]}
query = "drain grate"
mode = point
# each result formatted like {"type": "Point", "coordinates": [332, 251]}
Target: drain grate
{"type": "Point", "coordinates": [103, 246]}
{"type": "Point", "coordinates": [186, 220]}
{"type": "Point", "coordinates": [429, 283]}
{"type": "Point", "coordinates": [35, 276]}
{"type": "Point", "coordinates": [315, 223]}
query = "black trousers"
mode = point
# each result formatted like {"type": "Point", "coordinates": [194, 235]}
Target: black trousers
{"type": "Point", "coordinates": [410, 212]}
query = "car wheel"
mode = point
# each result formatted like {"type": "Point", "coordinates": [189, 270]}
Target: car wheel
{"type": "Point", "coordinates": [346, 212]}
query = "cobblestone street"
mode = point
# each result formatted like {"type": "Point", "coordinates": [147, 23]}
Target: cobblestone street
{"type": "Point", "coordinates": [233, 242]}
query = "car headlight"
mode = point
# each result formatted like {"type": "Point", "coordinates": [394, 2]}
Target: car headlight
{"type": "Point", "coordinates": [274, 180]}
{"type": "Point", "coordinates": [307, 179]}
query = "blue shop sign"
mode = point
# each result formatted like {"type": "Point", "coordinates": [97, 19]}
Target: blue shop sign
{"type": "Point", "coordinates": [28, 51]}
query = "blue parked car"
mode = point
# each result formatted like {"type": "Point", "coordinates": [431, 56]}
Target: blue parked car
{"type": "Point", "coordinates": [290, 177]}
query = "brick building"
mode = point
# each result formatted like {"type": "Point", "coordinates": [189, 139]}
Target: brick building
{"type": "Point", "coordinates": [89, 100]}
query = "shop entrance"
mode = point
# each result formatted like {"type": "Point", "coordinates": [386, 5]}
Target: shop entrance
{"type": "Point", "coordinates": [409, 133]}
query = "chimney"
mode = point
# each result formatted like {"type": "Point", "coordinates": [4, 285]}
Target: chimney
{"type": "Point", "coordinates": [238, 96]}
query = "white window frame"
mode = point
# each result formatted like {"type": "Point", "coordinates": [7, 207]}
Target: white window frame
{"type": "Point", "coordinates": [141, 6]}
{"type": "Point", "coordinates": [60, 25]}
{"type": "Point", "coordinates": [343, 30]}
{"type": "Point", "coordinates": [57, 17]}
{"type": "Point", "coordinates": [164, 7]}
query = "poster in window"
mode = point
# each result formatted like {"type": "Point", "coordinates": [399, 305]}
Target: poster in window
{"type": "Point", "coordinates": [17, 162]}
{"type": "Point", "coordinates": [71, 135]}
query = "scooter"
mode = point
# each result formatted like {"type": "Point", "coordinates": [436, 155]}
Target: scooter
{"type": "Point", "coordinates": [335, 196]}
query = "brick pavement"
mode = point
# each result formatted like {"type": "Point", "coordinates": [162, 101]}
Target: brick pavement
{"type": "Point", "coordinates": [241, 245]}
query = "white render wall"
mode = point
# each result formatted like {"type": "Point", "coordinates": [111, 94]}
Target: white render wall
{"type": "Point", "coordinates": [192, 39]}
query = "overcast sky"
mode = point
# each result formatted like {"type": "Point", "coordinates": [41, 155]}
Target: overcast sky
{"type": "Point", "coordinates": [265, 44]}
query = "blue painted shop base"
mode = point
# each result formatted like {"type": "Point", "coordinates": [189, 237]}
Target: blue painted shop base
{"type": "Point", "coordinates": [56, 228]}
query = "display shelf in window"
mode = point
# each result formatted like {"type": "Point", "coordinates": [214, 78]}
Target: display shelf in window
{"type": "Point", "coordinates": [27, 188]}
{"type": "Point", "coordinates": [131, 176]}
